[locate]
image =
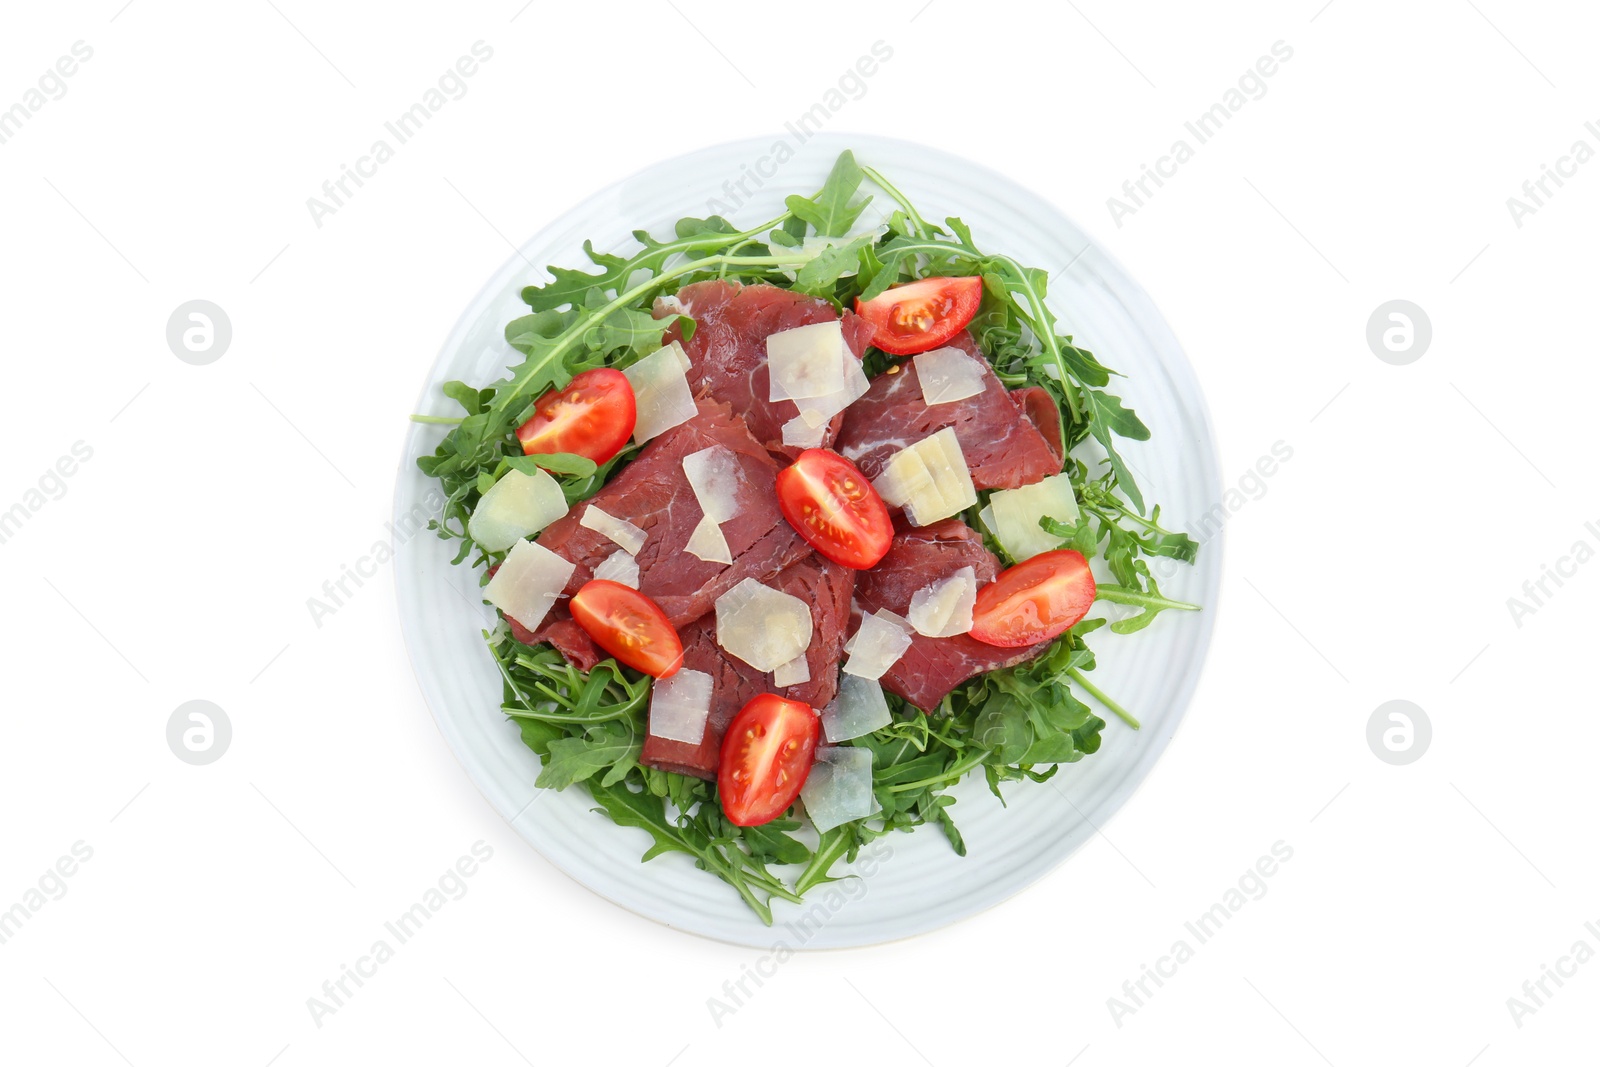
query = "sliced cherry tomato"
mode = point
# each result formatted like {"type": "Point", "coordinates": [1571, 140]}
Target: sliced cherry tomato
{"type": "Point", "coordinates": [593, 416]}
{"type": "Point", "coordinates": [766, 756]}
{"type": "Point", "coordinates": [1034, 601]}
{"type": "Point", "coordinates": [921, 315]}
{"type": "Point", "coordinates": [835, 508]}
{"type": "Point", "coordinates": [629, 625]}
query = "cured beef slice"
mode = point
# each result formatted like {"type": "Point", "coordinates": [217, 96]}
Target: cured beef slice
{"type": "Point", "coordinates": [566, 635]}
{"type": "Point", "coordinates": [653, 494]}
{"type": "Point", "coordinates": [824, 585]}
{"type": "Point", "coordinates": [1010, 439]}
{"type": "Point", "coordinates": [728, 352]}
{"type": "Point", "coordinates": [918, 557]}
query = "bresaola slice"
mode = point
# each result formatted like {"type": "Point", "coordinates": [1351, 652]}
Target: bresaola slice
{"type": "Point", "coordinates": [727, 354]}
{"type": "Point", "coordinates": [918, 557]}
{"type": "Point", "coordinates": [824, 585]}
{"type": "Point", "coordinates": [653, 494]}
{"type": "Point", "coordinates": [1009, 438]}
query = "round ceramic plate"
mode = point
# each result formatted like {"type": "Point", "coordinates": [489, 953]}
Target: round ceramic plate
{"type": "Point", "coordinates": [913, 882]}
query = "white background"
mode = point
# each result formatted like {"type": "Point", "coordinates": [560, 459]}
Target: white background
{"type": "Point", "coordinates": [1376, 564]}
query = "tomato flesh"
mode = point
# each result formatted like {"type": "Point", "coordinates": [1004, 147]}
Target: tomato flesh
{"type": "Point", "coordinates": [593, 417]}
{"type": "Point", "coordinates": [835, 508]}
{"type": "Point", "coordinates": [766, 755]}
{"type": "Point", "coordinates": [1037, 600]}
{"type": "Point", "coordinates": [629, 625]}
{"type": "Point", "coordinates": [921, 315]}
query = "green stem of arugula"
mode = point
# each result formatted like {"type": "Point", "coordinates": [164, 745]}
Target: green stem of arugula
{"type": "Point", "coordinates": [740, 878]}
{"type": "Point", "coordinates": [506, 674]}
{"type": "Point", "coordinates": [954, 773]}
{"type": "Point", "coordinates": [504, 398]}
{"type": "Point", "coordinates": [923, 229]}
{"type": "Point", "coordinates": [733, 876]}
{"type": "Point", "coordinates": [1148, 524]}
{"type": "Point", "coordinates": [822, 861]}
{"type": "Point", "coordinates": [1121, 594]}
{"type": "Point", "coordinates": [552, 694]}
{"type": "Point", "coordinates": [439, 420]}
{"type": "Point", "coordinates": [619, 712]}
{"type": "Point", "coordinates": [1121, 712]}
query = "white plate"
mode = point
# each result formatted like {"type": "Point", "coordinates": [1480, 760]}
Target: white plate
{"type": "Point", "coordinates": [922, 884]}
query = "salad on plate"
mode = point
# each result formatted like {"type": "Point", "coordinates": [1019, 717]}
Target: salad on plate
{"type": "Point", "coordinates": [790, 529]}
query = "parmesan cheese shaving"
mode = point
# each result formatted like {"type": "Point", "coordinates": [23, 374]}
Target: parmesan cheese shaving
{"type": "Point", "coordinates": [859, 709]}
{"type": "Point", "coordinates": [948, 374]}
{"type": "Point", "coordinates": [878, 643]}
{"type": "Point", "coordinates": [797, 433]}
{"type": "Point", "coordinates": [514, 507]}
{"type": "Point", "coordinates": [804, 362]}
{"type": "Point", "coordinates": [1013, 515]}
{"type": "Point", "coordinates": [661, 393]}
{"type": "Point", "coordinates": [839, 787]}
{"type": "Point", "coordinates": [929, 479]}
{"type": "Point", "coordinates": [818, 411]}
{"type": "Point", "coordinates": [619, 567]}
{"type": "Point", "coordinates": [944, 609]}
{"type": "Point", "coordinates": [708, 543]}
{"type": "Point", "coordinates": [620, 532]}
{"type": "Point", "coordinates": [762, 626]}
{"type": "Point", "coordinates": [715, 477]}
{"type": "Point", "coordinates": [796, 672]}
{"type": "Point", "coordinates": [680, 705]}
{"type": "Point", "coordinates": [528, 582]}
{"type": "Point", "coordinates": [948, 464]}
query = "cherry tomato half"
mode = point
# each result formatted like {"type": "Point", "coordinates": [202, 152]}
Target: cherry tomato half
{"type": "Point", "coordinates": [835, 508]}
{"type": "Point", "coordinates": [1034, 601]}
{"type": "Point", "coordinates": [593, 416]}
{"type": "Point", "coordinates": [766, 756]}
{"type": "Point", "coordinates": [629, 625]}
{"type": "Point", "coordinates": [921, 315]}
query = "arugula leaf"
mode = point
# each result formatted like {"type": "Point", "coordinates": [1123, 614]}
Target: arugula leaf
{"type": "Point", "coordinates": [934, 808]}
{"type": "Point", "coordinates": [1080, 535]}
{"type": "Point", "coordinates": [712, 224]}
{"type": "Point", "coordinates": [1151, 601]}
{"type": "Point", "coordinates": [542, 328]}
{"type": "Point", "coordinates": [834, 209]}
{"type": "Point", "coordinates": [569, 286]}
{"type": "Point", "coordinates": [769, 842]}
{"type": "Point", "coordinates": [575, 759]}
{"type": "Point", "coordinates": [538, 735]}
{"type": "Point", "coordinates": [1108, 417]}
{"type": "Point", "coordinates": [554, 462]}
{"type": "Point", "coordinates": [819, 275]}
{"type": "Point", "coordinates": [644, 811]}
{"type": "Point", "coordinates": [472, 400]}
{"type": "Point", "coordinates": [1002, 727]}
{"type": "Point", "coordinates": [632, 332]}
{"type": "Point", "coordinates": [835, 844]}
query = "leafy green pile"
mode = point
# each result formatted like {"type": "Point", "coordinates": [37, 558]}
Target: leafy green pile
{"type": "Point", "coordinates": [1018, 723]}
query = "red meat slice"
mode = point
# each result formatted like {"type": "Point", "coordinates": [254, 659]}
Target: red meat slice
{"type": "Point", "coordinates": [728, 352]}
{"type": "Point", "coordinates": [826, 586]}
{"type": "Point", "coordinates": [1010, 439]}
{"type": "Point", "coordinates": [653, 494]}
{"type": "Point", "coordinates": [918, 557]}
{"type": "Point", "coordinates": [568, 638]}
